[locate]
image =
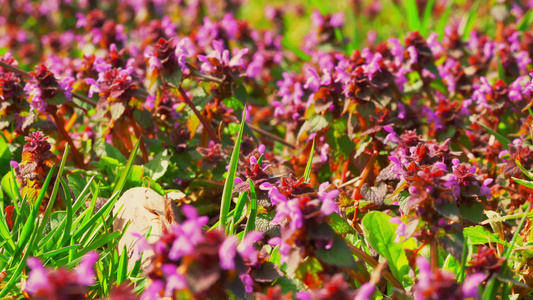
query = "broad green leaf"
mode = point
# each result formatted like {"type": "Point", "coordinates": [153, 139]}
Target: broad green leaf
{"type": "Point", "coordinates": [340, 225]}
{"type": "Point", "coordinates": [380, 234]}
{"type": "Point", "coordinates": [480, 235]}
{"type": "Point", "coordinates": [338, 255]}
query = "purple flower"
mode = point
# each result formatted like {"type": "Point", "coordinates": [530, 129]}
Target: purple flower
{"type": "Point", "coordinates": [471, 285]}
{"type": "Point", "coordinates": [85, 270]}
{"type": "Point", "coordinates": [38, 277]}
{"type": "Point", "coordinates": [284, 248]}
{"type": "Point", "coordinates": [227, 252]}
{"type": "Point", "coordinates": [373, 67]}
{"type": "Point", "coordinates": [288, 209]}
{"type": "Point", "coordinates": [400, 230]}
{"type": "Point", "coordinates": [337, 20]}
{"type": "Point", "coordinates": [329, 205]}
{"type": "Point", "coordinates": [248, 282]}
{"type": "Point", "coordinates": [313, 80]}
{"type": "Point", "coordinates": [365, 291]}
{"type": "Point", "coordinates": [413, 55]}
{"type": "Point", "coordinates": [246, 248]}
{"type": "Point", "coordinates": [140, 245]}
{"type": "Point", "coordinates": [189, 233]}
{"type": "Point", "coordinates": [396, 49]}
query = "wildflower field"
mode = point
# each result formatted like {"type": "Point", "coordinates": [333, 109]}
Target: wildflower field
{"type": "Point", "coordinates": [233, 149]}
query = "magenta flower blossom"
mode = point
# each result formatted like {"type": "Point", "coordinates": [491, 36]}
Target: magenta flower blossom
{"type": "Point", "coordinates": [223, 56]}
{"type": "Point", "coordinates": [400, 230]}
{"type": "Point", "coordinates": [227, 253]}
{"type": "Point", "coordinates": [53, 283]}
{"type": "Point", "coordinates": [189, 233]}
{"type": "Point", "coordinates": [441, 284]}
{"type": "Point", "coordinates": [329, 205]}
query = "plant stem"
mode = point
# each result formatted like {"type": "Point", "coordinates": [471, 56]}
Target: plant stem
{"type": "Point", "coordinates": [374, 263]}
{"type": "Point", "coordinates": [61, 127]}
{"type": "Point", "coordinates": [364, 175]}
{"type": "Point", "coordinates": [270, 135]}
{"type": "Point", "coordinates": [199, 115]}
{"type": "Point", "coordinates": [434, 249]}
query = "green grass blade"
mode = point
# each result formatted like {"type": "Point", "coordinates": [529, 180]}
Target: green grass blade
{"type": "Point", "coordinates": [250, 225]}
{"type": "Point", "coordinates": [307, 173]}
{"type": "Point", "coordinates": [228, 185]}
{"type": "Point", "coordinates": [470, 20]}
{"type": "Point", "coordinates": [444, 19]}
{"type": "Point", "coordinates": [526, 22]}
{"type": "Point", "coordinates": [411, 9]}
{"type": "Point", "coordinates": [238, 215]}
{"type": "Point", "coordinates": [59, 251]}
{"type": "Point", "coordinates": [503, 140]}
{"type": "Point", "coordinates": [493, 285]}
{"type": "Point", "coordinates": [80, 200]}
{"type": "Point", "coordinates": [53, 197]}
{"type": "Point", "coordinates": [127, 170]}
{"type": "Point", "coordinates": [70, 215]}
{"type": "Point", "coordinates": [426, 17]}
{"type": "Point", "coordinates": [28, 229]}
{"type": "Point", "coordinates": [122, 273]}
{"type": "Point", "coordinates": [15, 277]}
{"type": "Point", "coordinates": [94, 219]}
{"type": "Point", "coordinates": [461, 274]}
{"type": "Point", "coordinates": [298, 52]}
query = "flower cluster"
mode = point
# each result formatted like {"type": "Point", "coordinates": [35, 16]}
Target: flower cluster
{"type": "Point", "coordinates": [37, 159]}
{"type": "Point", "coordinates": [202, 264]}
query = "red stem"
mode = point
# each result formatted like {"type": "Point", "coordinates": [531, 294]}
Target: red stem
{"type": "Point", "coordinates": [206, 124]}
{"type": "Point", "coordinates": [61, 127]}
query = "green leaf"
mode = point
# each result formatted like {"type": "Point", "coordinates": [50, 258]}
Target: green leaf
{"type": "Point", "coordinates": [380, 234]}
{"type": "Point", "coordinates": [526, 172]}
{"type": "Point", "coordinates": [237, 213]}
{"type": "Point", "coordinates": [307, 173]}
{"type": "Point", "coordinates": [338, 255]}
{"type": "Point", "coordinates": [470, 20]}
{"type": "Point", "coordinates": [340, 225]}
{"type": "Point", "coordinates": [250, 225]}
{"type": "Point", "coordinates": [59, 99]}
{"type": "Point", "coordinates": [427, 16]}
{"type": "Point", "coordinates": [299, 53]}
{"type": "Point", "coordinates": [503, 140]}
{"type": "Point", "coordinates": [117, 110]}
{"type": "Point", "coordinates": [126, 172]}
{"type": "Point", "coordinates": [8, 184]}
{"type": "Point", "coordinates": [526, 21]}
{"type": "Point", "coordinates": [158, 166]}
{"type": "Point", "coordinates": [5, 156]}
{"type": "Point", "coordinates": [174, 78]}
{"type": "Point", "coordinates": [144, 119]}
{"type": "Point", "coordinates": [228, 185]}
{"type": "Point", "coordinates": [525, 183]}
{"type": "Point", "coordinates": [412, 15]}
{"type": "Point", "coordinates": [445, 18]}
{"type": "Point", "coordinates": [480, 235]}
